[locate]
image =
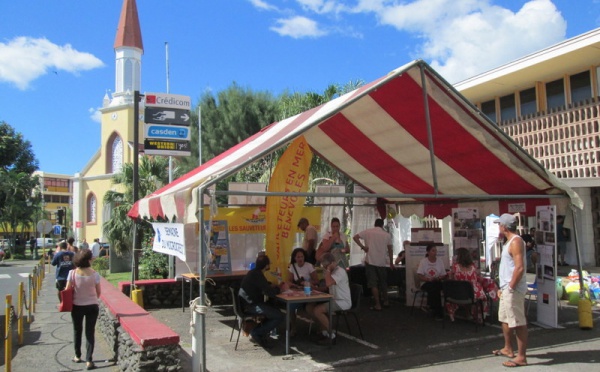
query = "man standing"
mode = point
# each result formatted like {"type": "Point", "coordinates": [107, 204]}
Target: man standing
{"type": "Point", "coordinates": [561, 238]}
{"type": "Point", "coordinates": [377, 242]}
{"type": "Point", "coordinates": [310, 240]}
{"type": "Point", "coordinates": [253, 290]}
{"type": "Point", "coordinates": [84, 244]}
{"type": "Point", "coordinates": [63, 259]}
{"type": "Point", "coordinates": [96, 248]}
{"type": "Point", "coordinates": [32, 247]}
{"type": "Point", "coordinates": [513, 287]}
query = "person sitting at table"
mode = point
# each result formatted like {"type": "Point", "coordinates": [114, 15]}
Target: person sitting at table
{"type": "Point", "coordinates": [336, 243]}
{"type": "Point", "coordinates": [464, 269]}
{"type": "Point", "coordinates": [336, 280]}
{"type": "Point", "coordinates": [253, 290]}
{"type": "Point", "coordinates": [301, 272]}
{"type": "Point", "coordinates": [401, 258]}
{"type": "Point", "coordinates": [431, 272]}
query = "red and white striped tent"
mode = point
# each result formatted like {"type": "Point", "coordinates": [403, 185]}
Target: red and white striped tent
{"type": "Point", "coordinates": [409, 138]}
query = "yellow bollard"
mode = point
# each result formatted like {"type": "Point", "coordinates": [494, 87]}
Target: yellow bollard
{"type": "Point", "coordinates": [29, 298]}
{"type": "Point", "coordinates": [20, 314]}
{"type": "Point", "coordinates": [8, 336]}
{"type": "Point", "coordinates": [33, 292]}
{"type": "Point", "coordinates": [137, 297]}
{"type": "Point", "coordinates": [584, 308]}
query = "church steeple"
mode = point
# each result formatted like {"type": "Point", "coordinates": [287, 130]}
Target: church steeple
{"type": "Point", "coordinates": [128, 53]}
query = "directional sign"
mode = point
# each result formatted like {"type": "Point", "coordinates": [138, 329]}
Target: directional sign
{"type": "Point", "coordinates": [57, 229]}
{"type": "Point", "coordinates": [162, 115]}
{"type": "Point", "coordinates": [168, 100]}
{"type": "Point", "coordinates": [167, 147]}
{"type": "Point", "coordinates": [168, 132]}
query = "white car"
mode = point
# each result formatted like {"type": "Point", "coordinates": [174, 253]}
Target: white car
{"type": "Point", "coordinates": [44, 242]}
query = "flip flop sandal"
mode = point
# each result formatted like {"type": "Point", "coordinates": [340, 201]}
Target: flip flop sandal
{"type": "Point", "coordinates": [500, 353]}
{"type": "Point", "coordinates": [513, 364]}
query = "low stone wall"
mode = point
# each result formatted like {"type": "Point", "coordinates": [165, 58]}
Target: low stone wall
{"type": "Point", "coordinates": [166, 293]}
{"type": "Point", "coordinates": [139, 342]}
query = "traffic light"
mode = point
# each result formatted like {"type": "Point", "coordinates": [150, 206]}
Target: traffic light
{"type": "Point", "coordinates": [60, 214]}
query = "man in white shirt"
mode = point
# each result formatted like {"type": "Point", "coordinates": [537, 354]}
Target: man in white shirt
{"type": "Point", "coordinates": [378, 246]}
{"type": "Point", "coordinates": [96, 248]}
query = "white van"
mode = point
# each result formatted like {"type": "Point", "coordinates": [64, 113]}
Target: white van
{"type": "Point", "coordinates": [44, 242]}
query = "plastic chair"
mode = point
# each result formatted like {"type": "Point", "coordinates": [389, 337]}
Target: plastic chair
{"type": "Point", "coordinates": [356, 291]}
{"type": "Point", "coordinates": [240, 317]}
{"type": "Point", "coordinates": [416, 290]}
{"type": "Point", "coordinates": [532, 290]}
{"type": "Point", "coordinates": [461, 293]}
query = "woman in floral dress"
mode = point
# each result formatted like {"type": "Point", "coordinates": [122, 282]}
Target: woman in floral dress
{"type": "Point", "coordinates": [464, 269]}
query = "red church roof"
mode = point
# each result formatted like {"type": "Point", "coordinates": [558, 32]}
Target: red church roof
{"type": "Point", "coordinates": [128, 31]}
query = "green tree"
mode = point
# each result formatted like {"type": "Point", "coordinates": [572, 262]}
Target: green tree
{"type": "Point", "coordinates": [153, 174]}
{"type": "Point", "coordinates": [17, 183]}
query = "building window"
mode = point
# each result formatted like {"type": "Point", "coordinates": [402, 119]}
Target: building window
{"type": "Point", "coordinates": [114, 159]}
{"type": "Point", "coordinates": [508, 109]}
{"type": "Point", "coordinates": [91, 208]}
{"type": "Point", "coordinates": [489, 109]}
{"type": "Point", "coordinates": [581, 87]}
{"type": "Point", "coordinates": [527, 100]}
{"type": "Point", "coordinates": [555, 94]}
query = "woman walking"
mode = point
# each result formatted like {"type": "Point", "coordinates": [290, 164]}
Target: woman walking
{"type": "Point", "coordinates": [86, 282]}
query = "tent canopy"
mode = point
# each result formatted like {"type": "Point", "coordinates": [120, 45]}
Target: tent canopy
{"type": "Point", "coordinates": [408, 136]}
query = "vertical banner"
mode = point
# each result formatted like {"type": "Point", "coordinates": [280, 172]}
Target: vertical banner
{"type": "Point", "coordinates": [219, 247]}
{"type": "Point", "coordinates": [545, 279]}
{"type": "Point", "coordinates": [283, 212]}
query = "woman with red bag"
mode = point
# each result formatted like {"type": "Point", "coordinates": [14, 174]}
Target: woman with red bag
{"type": "Point", "coordinates": [86, 283]}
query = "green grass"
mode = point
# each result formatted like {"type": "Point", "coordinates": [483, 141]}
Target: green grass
{"type": "Point", "coordinates": [115, 278]}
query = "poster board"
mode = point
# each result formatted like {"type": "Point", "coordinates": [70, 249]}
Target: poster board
{"type": "Point", "coordinates": [414, 254]}
{"type": "Point", "coordinates": [220, 249]}
{"type": "Point", "coordinates": [545, 238]}
{"type": "Point", "coordinates": [467, 232]}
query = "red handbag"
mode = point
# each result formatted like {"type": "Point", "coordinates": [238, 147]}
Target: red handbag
{"type": "Point", "coordinates": [66, 296]}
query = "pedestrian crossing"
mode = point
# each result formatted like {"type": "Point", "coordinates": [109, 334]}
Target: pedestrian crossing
{"type": "Point", "coordinates": [9, 276]}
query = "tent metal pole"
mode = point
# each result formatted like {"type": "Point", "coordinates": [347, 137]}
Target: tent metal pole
{"type": "Point", "coordinates": [429, 132]}
{"type": "Point", "coordinates": [578, 253]}
{"type": "Point", "coordinates": [199, 336]}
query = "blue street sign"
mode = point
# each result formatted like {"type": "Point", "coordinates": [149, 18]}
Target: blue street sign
{"type": "Point", "coordinates": [167, 131]}
{"type": "Point", "coordinates": [57, 229]}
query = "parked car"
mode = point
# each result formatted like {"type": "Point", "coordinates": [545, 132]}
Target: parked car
{"type": "Point", "coordinates": [44, 243]}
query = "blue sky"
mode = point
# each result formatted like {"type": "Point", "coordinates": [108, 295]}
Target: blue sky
{"type": "Point", "coordinates": [57, 57]}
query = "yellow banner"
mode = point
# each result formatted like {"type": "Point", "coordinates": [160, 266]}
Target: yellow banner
{"type": "Point", "coordinates": [283, 212]}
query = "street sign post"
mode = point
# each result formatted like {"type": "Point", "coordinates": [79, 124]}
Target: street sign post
{"type": "Point", "coordinates": [44, 226]}
{"type": "Point", "coordinates": [167, 118]}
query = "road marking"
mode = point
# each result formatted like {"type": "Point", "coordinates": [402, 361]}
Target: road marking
{"type": "Point", "coordinates": [24, 275]}
{"type": "Point", "coordinates": [4, 276]}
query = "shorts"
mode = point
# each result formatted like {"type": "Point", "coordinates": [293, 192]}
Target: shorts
{"type": "Point", "coordinates": [61, 284]}
{"type": "Point", "coordinates": [512, 309]}
{"type": "Point", "coordinates": [376, 276]}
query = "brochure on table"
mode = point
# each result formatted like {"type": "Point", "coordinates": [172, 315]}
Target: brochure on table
{"type": "Point", "coordinates": [545, 239]}
{"type": "Point", "coordinates": [416, 252]}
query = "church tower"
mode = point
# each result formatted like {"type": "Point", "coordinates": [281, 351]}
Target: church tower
{"type": "Point", "coordinates": [128, 52]}
{"type": "Point", "coordinates": [116, 131]}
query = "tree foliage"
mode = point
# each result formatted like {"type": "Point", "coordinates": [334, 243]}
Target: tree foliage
{"type": "Point", "coordinates": [18, 185]}
{"type": "Point", "coordinates": [153, 174]}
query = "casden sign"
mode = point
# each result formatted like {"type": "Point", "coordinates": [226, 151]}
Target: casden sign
{"type": "Point", "coordinates": [167, 131]}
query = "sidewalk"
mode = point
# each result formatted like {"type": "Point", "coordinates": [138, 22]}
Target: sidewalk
{"type": "Point", "coordinates": [48, 339]}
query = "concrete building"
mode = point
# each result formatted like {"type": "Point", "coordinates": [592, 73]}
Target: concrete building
{"type": "Point", "coordinates": [548, 103]}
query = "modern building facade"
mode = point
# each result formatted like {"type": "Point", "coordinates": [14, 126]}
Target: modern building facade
{"type": "Point", "coordinates": [548, 103]}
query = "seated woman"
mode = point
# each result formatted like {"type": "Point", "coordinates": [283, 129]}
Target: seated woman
{"type": "Point", "coordinates": [401, 258]}
{"type": "Point", "coordinates": [431, 272]}
{"type": "Point", "coordinates": [336, 280]}
{"type": "Point", "coordinates": [300, 272]}
{"type": "Point", "coordinates": [336, 243]}
{"type": "Point", "coordinates": [464, 269]}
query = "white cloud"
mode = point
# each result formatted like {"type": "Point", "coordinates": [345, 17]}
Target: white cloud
{"type": "Point", "coordinates": [95, 114]}
{"type": "Point", "coordinates": [24, 59]}
{"type": "Point", "coordinates": [467, 37]}
{"type": "Point", "coordinates": [260, 4]}
{"type": "Point", "coordinates": [298, 27]}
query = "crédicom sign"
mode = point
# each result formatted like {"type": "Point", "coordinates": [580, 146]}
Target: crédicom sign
{"type": "Point", "coordinates": [169, 239]}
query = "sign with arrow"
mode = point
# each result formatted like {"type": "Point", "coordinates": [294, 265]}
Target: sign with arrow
{"type": "Point", "coordinates": [161, 115]}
